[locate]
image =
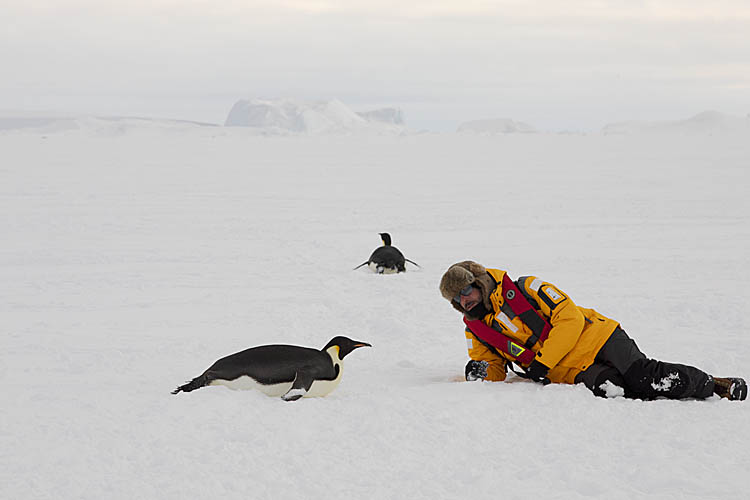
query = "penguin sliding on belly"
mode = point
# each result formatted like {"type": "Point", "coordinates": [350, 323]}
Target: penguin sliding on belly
{"type": "Point", "coordinates": [387, 259]}
{"type": "Point", "coordinates": [289, 371]}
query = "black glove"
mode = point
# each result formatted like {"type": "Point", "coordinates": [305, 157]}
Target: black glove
{"type": "Point", "coordinates": [476, 370]}
{"type": "Point", "coordinates": [538, 372]}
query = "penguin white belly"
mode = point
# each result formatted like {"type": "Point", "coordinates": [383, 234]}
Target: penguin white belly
{"type": "Point", "coordinates": [376, 268]}
{"type": "Point", "coordinates": [246, 383]}
{"type": "Point", "coordinates": [322, 387]}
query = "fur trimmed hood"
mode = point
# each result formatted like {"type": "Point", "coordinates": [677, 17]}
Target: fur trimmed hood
{"type": "Point", "coordinates": [466, 273]}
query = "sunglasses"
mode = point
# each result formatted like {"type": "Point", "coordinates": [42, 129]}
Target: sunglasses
{"type": "Point", "coordinates": [464, 291]}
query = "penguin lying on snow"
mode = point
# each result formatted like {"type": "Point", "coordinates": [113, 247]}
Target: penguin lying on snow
{"type": "Point", "coordinates": [387, 259]}
{"type": "Point", "coordinates": [288, 371]}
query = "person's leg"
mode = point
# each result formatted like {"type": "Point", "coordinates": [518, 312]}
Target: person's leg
{"type": "Point", "coordinates": [650, 378]}
{"type": "Point", "coordinates": [605, 376]}
{"type": "Point", "coordinates": [619, 351]}
{"type": "Point", "coordinates": [603, 380]}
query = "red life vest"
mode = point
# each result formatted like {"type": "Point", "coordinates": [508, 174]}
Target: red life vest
{"type": "Point", "coordinates": [521, 307]}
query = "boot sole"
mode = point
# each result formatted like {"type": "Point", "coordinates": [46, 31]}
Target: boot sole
{"type": "Point", "coordinates": [738, 390]}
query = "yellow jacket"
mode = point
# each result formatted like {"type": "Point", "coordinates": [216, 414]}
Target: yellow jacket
{"type": "Point", "coordinates": [576, 336]}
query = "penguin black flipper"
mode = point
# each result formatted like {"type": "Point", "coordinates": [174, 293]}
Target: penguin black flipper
{"type": "Point", "coordinates": [302, 383]}
{"type": "Point", "coordinates": [362, 264]}
{"type": "Point", "coordinates": [407, 260]}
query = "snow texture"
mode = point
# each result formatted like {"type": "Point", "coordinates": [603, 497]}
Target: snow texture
{"type": "Point", "coordinates": [665, 384]}
{"type": "Point", "coordinates": [133, 257]}
{"type": "Point", "coordinates": [612, 390]}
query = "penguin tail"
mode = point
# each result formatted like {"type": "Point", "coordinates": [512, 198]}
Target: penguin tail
{"type": "Point", "coordinates": [407, 260]}
{"type": "Point", "coordinates": [362, 264]}
{"type": "Point", "coordinates": [194, 384]}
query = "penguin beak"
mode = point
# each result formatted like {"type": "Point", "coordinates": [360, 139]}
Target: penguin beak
{"type": "Point", "coordinates": [346, 345]}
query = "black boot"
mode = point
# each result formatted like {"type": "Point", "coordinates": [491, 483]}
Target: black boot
{"type": "Point", "coordinates": [733, 388]}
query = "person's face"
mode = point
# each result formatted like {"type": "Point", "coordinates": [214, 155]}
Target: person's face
{"type": "Point", "coordinates": [469, 301]}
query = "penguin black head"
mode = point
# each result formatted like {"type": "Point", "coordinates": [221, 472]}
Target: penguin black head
{"type": "Point", "coordinates": [345, 345]}
{"type": "Point", "coordinates": [386, 239]}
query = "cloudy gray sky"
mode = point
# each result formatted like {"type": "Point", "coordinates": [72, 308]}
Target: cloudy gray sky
{"type": "Point", "coordinates": [558, 65]}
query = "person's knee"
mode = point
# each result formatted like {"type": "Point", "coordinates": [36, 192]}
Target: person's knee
{"type": "Point", "coordinates": [608, 383]}
{"type": "Point", "coordinates": [640, 376]}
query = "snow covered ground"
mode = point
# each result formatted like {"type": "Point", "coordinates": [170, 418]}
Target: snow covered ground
{"type": "Point", "coordinates": [133, 258]}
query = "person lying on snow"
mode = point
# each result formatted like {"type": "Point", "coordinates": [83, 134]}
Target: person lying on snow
{"type": "Point", "coordinates": [534, 325]}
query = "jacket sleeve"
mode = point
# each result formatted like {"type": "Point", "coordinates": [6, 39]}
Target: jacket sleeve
{"type": "Point", "coordinates": [477, 351]}
{"type": "Point", "coordinates": [565, 318]}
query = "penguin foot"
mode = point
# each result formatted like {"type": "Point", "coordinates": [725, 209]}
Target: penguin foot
{"type": "Point", "coordinates": [194, 384]}
{"type": "Point", "coordinates": [293, 394]}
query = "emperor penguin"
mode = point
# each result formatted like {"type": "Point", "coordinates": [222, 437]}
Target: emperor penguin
{"type": "Point", "coordinates": [289, 371]}
{"type": "Point", "coordinates": [387, 259]}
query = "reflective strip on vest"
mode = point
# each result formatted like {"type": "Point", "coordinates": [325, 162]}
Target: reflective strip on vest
{"type": "Point", "coordinates": [499, 341]}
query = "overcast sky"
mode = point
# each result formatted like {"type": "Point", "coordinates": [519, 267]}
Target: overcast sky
{"type": "Point", "coordinates": [573, 65]}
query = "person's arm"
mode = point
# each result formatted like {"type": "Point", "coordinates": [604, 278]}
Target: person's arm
{"type": "Point", "coordinates": [566, 321]}
{"type": "Point", "coordinates": [496, 368]}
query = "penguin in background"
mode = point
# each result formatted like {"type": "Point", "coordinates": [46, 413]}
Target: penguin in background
{"type": "Point", "coordinates": [289, 371]}
{"type": "Point", "coordinates": [387, 259]}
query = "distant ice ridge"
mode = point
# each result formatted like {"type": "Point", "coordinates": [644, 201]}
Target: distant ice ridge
{"type": "Point", "coordinates": [496, 126]}
{"type": "Point", "coordinates": [51, 122]}
{"type": "Point", "coordinates": [706, 123]}
{"type": "Point", "coordinates": [324, 117]}
{"type": "Point", "coordinates": [41, 121]}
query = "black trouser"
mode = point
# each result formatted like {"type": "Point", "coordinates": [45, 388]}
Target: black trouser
{"type": "Point", "coordinates": [620, 363]}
